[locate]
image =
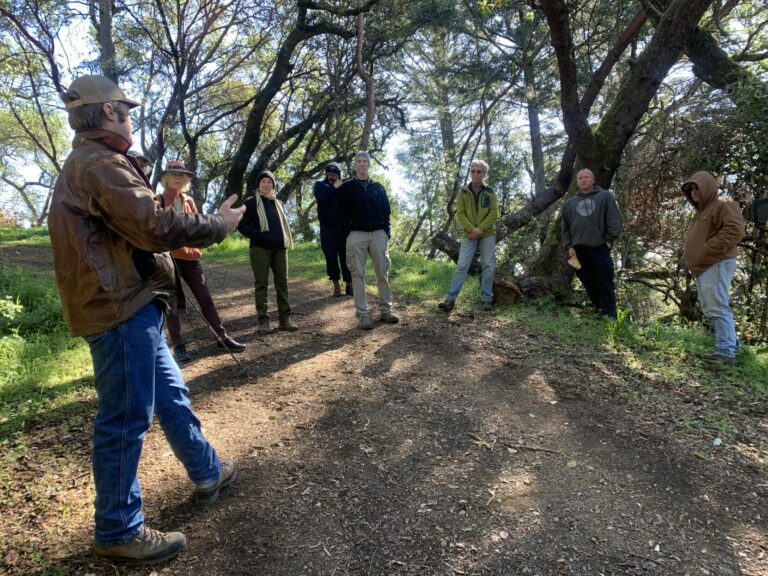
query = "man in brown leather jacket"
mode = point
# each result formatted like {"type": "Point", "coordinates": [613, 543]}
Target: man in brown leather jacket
{"type": "Point", "coordinates": [109, 235]}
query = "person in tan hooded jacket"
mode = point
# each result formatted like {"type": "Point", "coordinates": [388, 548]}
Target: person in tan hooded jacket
{"type": "Point", "coordinates": [711, 246]}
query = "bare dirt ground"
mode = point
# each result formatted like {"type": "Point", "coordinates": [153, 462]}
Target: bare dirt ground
{"type": "Point", "coordinates": [458, 444]}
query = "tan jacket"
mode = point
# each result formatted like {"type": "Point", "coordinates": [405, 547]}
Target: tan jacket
{"type": "Point", "coordinates": [187, 207]}
{"type": "Point", "coordinates": [717, 227]}
{"type": "Point", "coordinates": [108, 234]}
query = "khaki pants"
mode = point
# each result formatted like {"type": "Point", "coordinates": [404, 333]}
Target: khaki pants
{"type": "Point", "coordinates": [359, 245]}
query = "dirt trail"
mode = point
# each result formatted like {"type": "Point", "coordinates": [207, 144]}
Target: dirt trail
{"type": "Point", "coordinates": [454, 444]}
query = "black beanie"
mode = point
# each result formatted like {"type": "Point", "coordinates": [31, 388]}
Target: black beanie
{"type": "Point", "coordinates": [266, 174]}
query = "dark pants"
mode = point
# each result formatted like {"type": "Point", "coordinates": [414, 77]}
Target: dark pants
{"type": "Point", "coordinates": [596, 274]}
{"type": "Point", "coordinates": [334, 247]}
{"type": "Point", "coordinates": [262, 260]}
{"type": "Point", "coordinates": [192, 273]}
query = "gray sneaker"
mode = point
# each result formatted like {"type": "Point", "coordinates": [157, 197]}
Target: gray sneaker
{"type": "Point", "coordinates": [208, 493]}
{"type": "Point", "coordinates": [147, 547]}
{"type": "Point", "coordinates": [365, 323]}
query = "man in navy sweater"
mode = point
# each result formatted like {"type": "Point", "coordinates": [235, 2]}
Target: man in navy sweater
{"type": "Point", "coordinates": [363, 215]}
{"type": "Point", "coordinates": [331, 241]}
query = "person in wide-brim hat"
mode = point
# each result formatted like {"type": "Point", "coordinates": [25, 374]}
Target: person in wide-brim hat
{"type": "Point", "coordinates": [176, 181]}
{"type": "Point", "coordinates": [175, 167]}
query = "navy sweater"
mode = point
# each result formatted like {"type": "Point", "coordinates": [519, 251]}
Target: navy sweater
{"type": "Point", "coordinates": [364, 206]}
{"type": "Point", "coordinates": [249, 225]}
{"type": "Point", "coordinates": [327, 199]}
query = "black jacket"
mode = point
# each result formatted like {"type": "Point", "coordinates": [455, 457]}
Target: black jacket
{"type": "Point", "coordinates": [364, 206]}
{"type": "Point", "coordinates": [327, 199]}
{"type": "Point", "coordinates": [249, 225]}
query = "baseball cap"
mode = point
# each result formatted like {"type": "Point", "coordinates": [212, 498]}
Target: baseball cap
{"type": "Point", "coordinates": [91, 89]}
{"type": "Point", "coordinates": [333, 168]}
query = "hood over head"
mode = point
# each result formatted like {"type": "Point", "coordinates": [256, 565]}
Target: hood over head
{"type": "Point", "coordinates": [706, 183]}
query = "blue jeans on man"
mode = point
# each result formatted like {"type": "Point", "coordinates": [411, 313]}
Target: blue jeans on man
{"type": "Point", "coordinates": [136, 377]}
{"type": "Point", "coordinates": [713, 286]}
{"type": "Point", "coordinates": [467, 250]}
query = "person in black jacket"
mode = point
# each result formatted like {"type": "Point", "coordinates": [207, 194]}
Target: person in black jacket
{"type": "Point", "coordinates": [363, 215]}
{"type": "Point", "coordinates": [331, 241]}
{"type": "Point", "coordinates": [266, 225]}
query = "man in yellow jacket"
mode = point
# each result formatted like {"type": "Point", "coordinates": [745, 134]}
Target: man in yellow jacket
{"type": "Point", "coordinates": [477, 212]}
{"type": "Point", "coordinates": [710, 254]}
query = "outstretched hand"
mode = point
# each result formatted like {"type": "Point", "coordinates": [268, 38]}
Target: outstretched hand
{"type": "Point", "coordinates": [231, 215]}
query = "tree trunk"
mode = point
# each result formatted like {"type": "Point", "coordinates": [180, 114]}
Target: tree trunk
{"type": "Point", "coordinates": [602, 149]}
{"type": "Point", "coordinates": [101, 18]}
{"type": "Point", "coordinates": [370, 109]}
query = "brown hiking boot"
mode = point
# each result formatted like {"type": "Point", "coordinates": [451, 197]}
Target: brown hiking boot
{"type": "Point", "coordinates": [265, 327]}
{"type": "Point", "coordinates": [716, 358]}
{"type": "Point", "coordinates": [147, 547]}
{"type": "Point", "coordinates": [365, 323]}
{"type": "Point", "coordinates": [208, 493]}
{"type": "Point", "coordinates": [447, 305]}
{"type": "Point", "coordinates": [336, 289]}
{"type": "Point", "coordinates": [288, 325]}
{"type": "Point", "coordinates": [388, 318]}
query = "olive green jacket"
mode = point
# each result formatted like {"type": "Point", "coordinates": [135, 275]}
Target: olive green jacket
{"type": "Point", "coordinates": [477, 210]}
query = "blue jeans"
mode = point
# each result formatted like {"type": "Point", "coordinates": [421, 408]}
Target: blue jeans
{"type": "Point", "coordinates": [135, 377]}
{"type": "Point", "coordinates": [713, 285]}
{"type": "Point", "coordinates": [467, 251]}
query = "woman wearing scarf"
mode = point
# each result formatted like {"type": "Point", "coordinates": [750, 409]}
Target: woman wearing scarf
{"type": "Point", "coordinates": [266, 225]}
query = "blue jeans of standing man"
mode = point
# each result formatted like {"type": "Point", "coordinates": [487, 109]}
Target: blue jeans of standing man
{"type": "Point", "coordinates": [487, 247]}
{"type": "Point", "coordinates": [713, 285]}
{"type": "Point", "coordinates": [136, 377]}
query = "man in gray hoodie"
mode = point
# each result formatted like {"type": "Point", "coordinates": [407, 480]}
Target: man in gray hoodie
{"type": "Point", "coordinates": [592, 222]}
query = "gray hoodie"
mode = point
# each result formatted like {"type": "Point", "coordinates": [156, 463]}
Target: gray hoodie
{"type": "Point", "coordinates": [591, 219]}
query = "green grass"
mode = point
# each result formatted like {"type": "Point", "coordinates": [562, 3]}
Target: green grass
{"type": "Point", "coordinates": [42, 370]}
{"type": "Point", "coordinates": [25, 235]}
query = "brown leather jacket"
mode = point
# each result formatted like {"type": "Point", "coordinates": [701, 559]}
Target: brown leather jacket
{"type": "Point", "coordinates": [109, 234]}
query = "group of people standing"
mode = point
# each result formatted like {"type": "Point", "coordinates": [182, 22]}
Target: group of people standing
{"type": "Point", "coordinates": [119, 249]}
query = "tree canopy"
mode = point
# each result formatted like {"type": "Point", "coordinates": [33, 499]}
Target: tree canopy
{"type": "Point", "coordinates": [643, 92]}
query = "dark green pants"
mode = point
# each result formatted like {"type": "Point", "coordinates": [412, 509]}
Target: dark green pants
{"type": "Point", "coordinates": [262, 260]}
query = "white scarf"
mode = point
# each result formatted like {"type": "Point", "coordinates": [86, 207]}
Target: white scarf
{"type": "Point", "coordinates": [264, 223]}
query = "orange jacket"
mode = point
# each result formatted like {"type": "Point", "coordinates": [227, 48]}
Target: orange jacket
{"type": "Point", "coordinates": [187, 207]}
